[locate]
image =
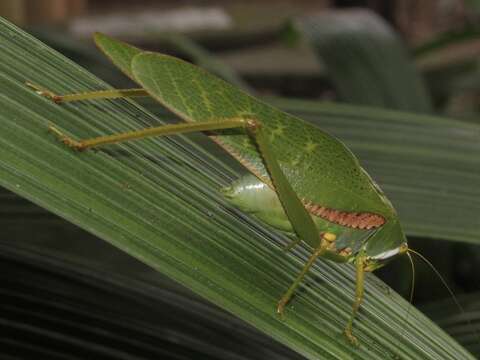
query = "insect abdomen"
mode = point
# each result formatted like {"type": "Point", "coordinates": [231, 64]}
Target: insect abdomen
{"type": "Point", "coordinates": [253, 196]}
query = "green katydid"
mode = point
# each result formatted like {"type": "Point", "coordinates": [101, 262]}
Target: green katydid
{"type": "Point", "coordinates": [302, 181]}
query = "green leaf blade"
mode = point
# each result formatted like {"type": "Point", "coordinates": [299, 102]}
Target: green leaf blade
{"type": "Point", "coordinates": [366, 60]}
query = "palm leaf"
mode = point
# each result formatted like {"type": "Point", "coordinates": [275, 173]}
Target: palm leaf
{"type": "Point", "coordinates": [447, 315]}
{"type": "Point", "coordinates": [59, 304]}
{"type": "Point", "coordinates": [365, 59]}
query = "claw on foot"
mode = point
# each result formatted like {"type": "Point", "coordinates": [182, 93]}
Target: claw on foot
{"type": "Point", "coordinates": [74, 144]}
{"type": "Point", "coordinates": [45, 92]}
{"type": "Point", "coordinates": [353, 340]}
{"type": "Point", "coordinates": [281, 309]}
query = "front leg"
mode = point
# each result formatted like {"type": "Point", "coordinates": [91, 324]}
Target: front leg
{"type": "Point", "coordinates": [327, 239]}
{"type": "Point", "coordinates": [360, 263]}
{"type": "Point", "coordinates": [298, 216]}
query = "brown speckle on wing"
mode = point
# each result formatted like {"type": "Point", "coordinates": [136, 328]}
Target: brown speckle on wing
{"type": "Point", "coordinates": [356, 220]}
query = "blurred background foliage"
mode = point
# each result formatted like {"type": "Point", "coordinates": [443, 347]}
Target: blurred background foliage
{"type": "Point", "coordinates": [419, 57]}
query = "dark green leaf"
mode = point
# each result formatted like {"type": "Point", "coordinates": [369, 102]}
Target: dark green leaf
{"type": "Point", "coordinates": [366, 60]}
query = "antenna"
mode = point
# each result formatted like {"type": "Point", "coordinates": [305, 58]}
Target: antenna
{"type": "Point", "coordinates": [460, 307]}
{"type": "Point", "coordinates": [424, 259]}
{"type": "Point", "coordinates": [412, 289]}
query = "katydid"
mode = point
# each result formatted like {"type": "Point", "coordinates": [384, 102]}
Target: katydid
{"type": "Point", "coordinates": [302, 181]}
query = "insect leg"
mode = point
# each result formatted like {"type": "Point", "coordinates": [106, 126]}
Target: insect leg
{"type": "Point", "coordinates": [155, 131]}
{"type": "Point", "coordinates": [359, 288]}
{"type": "Point", "coordinates": [326, 240]}
{"type": "Point", "coordinates": [292, 244]}
{"type": "Point", "coordinates": [90, 95]}
{"type": "Point", "coordinates": [300, 219]}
